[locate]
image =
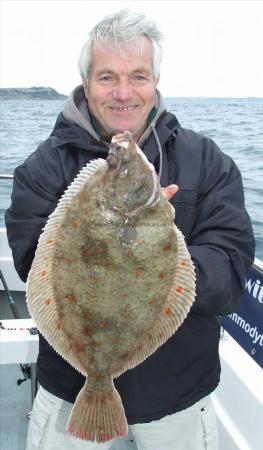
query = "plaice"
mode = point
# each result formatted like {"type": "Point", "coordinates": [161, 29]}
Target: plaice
{"type": "Point", "coordinates": [111, 280]}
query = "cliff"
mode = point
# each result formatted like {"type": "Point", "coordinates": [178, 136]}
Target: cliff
{"type": "Point", "coordinates": [33, 93]}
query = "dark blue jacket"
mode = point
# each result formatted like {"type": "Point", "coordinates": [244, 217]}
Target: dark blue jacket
{"type": "Point", "coordinates": [210, 213]}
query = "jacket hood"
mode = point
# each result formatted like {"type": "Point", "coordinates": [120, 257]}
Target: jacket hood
{"type": "Point", "coordinates": [76, 111]}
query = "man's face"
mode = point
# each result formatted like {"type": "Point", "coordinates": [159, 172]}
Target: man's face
{"type": "Point", "coordinates": [121, 89]}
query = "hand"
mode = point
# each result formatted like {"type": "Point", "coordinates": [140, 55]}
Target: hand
{"type": "Point", "coordinates": [170, 191]}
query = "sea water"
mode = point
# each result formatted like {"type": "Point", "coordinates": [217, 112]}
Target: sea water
{"type": "Point", "coordinates": [235, 124]}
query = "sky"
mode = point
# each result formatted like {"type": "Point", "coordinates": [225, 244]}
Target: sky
{"type": "Point", "coordinates": [212, 48]}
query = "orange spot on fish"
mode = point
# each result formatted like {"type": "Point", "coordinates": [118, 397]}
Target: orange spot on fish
{"type": "Point", "coordinates": [88, 251]}
{"type": "Point", "coordinates": [48, 301]}
{"type": "Point", "coordinates": [184, 263]}
{"type": "Point", "coordinates": [179, 289]}
{"type": "Point", "coordinates": [152, 302]}
{"type": "Point", "coordinates": [101, 250]}
{"type": "Point", "coordinates": [161, 275]}
{"type": "Point", "coordinates": [168, 311]}
{"type": "Point", "coordinates": [43, 274]}
{"type": "Point", "coordinates": [70, 299]}
{"type": "Point", "coordinates": [166, 247]}
{"type": "Point", "coordinates": [83, 195]}
{"type": "Point", "coordinates": [86, 315]}
{"type": "Point", "coordinates": [50, 241]}
{"type": "Point", "coordinates": [104, 178]}
{"type": "Point", "coordinates": [67, 260]}
{"type": "Point", "coordinates": [104, 324]}
{"type": "Point", "coordinates": [87, 331]}
{"type": "Point", "coordinates": [59, 326]}
{"type": "Point", "coordinates": [137, 273]}
{"type": "Point", "coordinates": [80, 347]}
{"type": "Point", "coordinates": [75, 223]}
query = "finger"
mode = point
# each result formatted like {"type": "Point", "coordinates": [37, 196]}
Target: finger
{"type": "Point", "coordinates": [170, 191]}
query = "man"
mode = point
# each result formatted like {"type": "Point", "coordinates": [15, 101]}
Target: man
{"type": "Point", "coordinates": [166, 398]}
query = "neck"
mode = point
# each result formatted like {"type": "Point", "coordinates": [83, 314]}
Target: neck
{"type": "Point", "coordinates": [107, 137]}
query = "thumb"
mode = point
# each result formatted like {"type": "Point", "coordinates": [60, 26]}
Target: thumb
{"type": "Point", "coordinates": [170, 191]}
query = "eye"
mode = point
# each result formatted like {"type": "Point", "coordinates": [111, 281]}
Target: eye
{"type": "Point", "coordinates": [140, 77]}
{"type": "Point", "coordinates": [105, 78]}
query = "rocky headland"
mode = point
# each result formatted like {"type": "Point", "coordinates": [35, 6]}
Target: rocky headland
{"type": "Point", "coordinates": [32, 93]}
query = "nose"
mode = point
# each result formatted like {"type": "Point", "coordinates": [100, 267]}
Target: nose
{"type": "Point", "coordinates": [122, 92]}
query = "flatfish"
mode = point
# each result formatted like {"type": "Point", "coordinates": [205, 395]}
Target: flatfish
{"type": "Point", "coordinates": [111, 280]}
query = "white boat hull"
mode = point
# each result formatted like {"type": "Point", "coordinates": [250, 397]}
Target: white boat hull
{"type": "Point", "coordinates": [7, 265]}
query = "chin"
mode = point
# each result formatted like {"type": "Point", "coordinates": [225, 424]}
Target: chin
{"type": "Point", "coordinates": [123, 126]}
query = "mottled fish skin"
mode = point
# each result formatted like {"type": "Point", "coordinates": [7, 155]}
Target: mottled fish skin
{"type": "Point", "coordinates": [116, 275]}
{"type": "Point", "coordinates": [114, 284]}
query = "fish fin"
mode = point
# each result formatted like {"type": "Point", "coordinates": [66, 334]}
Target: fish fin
{"type": "Point", "coordinates": [39, 288]}
{"type": "Point", "coordinates": [79, 181]}
{"type": "Point", "coordinates": [97, 415]}
{"type": "Point", "coordinates": [41, 304]}
{"type": "Point", "coordinates": [175, 309]}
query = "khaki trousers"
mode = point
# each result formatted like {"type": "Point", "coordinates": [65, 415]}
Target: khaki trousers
{"type": "Point", "coordinates": [192, 429]}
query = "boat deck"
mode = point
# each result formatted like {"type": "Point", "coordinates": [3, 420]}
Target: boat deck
{"type": "Point", "coordinates": [15, 406]}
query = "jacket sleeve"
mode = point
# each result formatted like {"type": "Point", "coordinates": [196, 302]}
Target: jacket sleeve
{"type": "Point", "coordinates": [38, 184]}
{"type": "Point", "coordinates": [222, 242]}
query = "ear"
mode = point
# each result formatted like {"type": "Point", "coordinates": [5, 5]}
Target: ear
{"type": "Point", "coordinates": [85, 87]}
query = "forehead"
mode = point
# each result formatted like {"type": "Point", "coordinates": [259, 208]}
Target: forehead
{"type": "Point", "coordinates": [128, 59]}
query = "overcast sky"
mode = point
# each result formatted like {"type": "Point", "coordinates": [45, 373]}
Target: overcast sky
{"type": "Point", "coordinates": [211, 48]}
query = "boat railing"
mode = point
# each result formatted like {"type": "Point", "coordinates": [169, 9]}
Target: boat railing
{"type": "Point", "coordinates": [258, 265]}
{"type": "Point", "coordinates": [6, 176]}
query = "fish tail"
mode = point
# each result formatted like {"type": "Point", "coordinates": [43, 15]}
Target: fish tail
{"type": "Point", "coordinates": [97, 415]}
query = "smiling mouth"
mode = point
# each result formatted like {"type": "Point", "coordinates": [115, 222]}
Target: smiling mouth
{"type": "Point", "coordinates": [122, 108]}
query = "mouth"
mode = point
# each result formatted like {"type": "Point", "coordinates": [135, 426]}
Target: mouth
{"type": "Point", "coordinates": [122, 108]}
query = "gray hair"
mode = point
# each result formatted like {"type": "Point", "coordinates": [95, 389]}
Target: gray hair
{"type": "Point", "coordinates": [118, 31]}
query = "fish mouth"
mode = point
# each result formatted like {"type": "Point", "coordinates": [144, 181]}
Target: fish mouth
{"type": "Point", "coordinates": [118, 149]}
